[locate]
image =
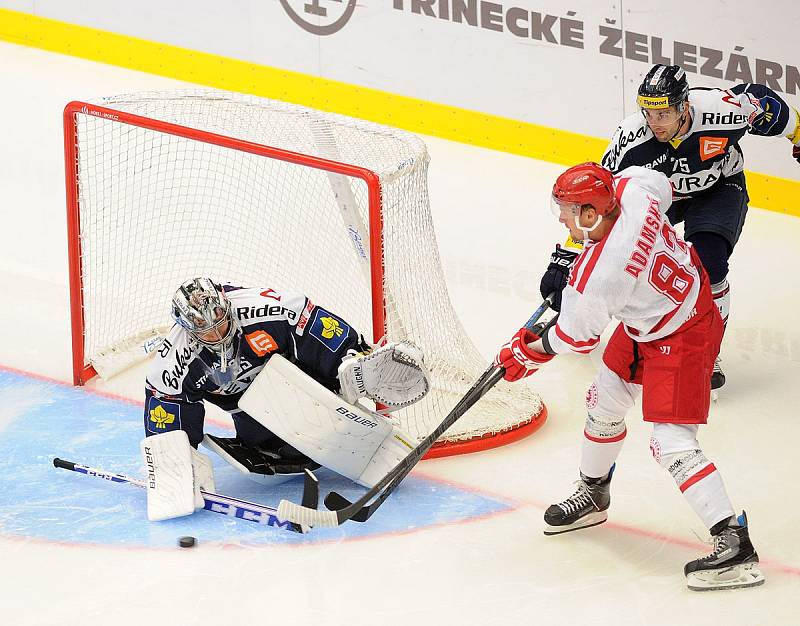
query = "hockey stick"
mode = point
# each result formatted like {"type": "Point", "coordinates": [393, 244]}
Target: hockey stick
{"type": "Point", "coordinates": [232, 507]}
{"type": "Point", "coordinates": [342, 509]}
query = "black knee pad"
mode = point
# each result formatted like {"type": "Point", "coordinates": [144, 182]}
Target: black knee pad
{"type": "Point", "coordinates": [714, 251]}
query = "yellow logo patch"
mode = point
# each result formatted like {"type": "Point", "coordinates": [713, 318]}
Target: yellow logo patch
{"type": "Point", "coordinates": [330, 328]}
{"type": "Point", "coordinates": [653, 103]}
{"type": "Point", "coordinates": [161, 418]}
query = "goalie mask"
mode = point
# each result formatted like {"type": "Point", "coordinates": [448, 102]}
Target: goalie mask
{"type": "Point", "coordinates": [202, 308]}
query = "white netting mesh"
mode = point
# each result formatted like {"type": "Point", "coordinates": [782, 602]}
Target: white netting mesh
{"type": "Point", "coordinates": [156, 209]}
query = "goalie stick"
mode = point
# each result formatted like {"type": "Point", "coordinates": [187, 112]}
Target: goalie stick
{"type": "Point", "coordinates": [216, 503]}
{"type": "Point", "coordinates": [343, 509]}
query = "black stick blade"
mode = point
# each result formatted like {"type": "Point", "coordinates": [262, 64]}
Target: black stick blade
{"type": "Point", "coordinates": [310, 490]}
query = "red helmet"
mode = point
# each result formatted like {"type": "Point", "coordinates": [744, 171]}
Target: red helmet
{"type": "Point", "coordinates": [587, 183]}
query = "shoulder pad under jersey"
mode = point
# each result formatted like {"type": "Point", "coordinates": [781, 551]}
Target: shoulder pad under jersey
{"type": "Point", "coordinates": [171, 363]}
{"type": "Point", "coordinates": [256, 305]}
{"type": "Point", "coordinates": [631, 132]}
{"type": "Point", "coordinates": [717, 109]}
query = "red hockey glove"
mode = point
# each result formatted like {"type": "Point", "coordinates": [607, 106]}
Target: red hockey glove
{"type": "Point", "coordinates": [796, 152]}
{"type": "Point", "coordinates": [518, 359]}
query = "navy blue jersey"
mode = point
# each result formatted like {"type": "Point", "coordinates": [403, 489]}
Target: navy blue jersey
{"type": "Point", "coordinates": [710, 150]}
{"type": "Point", "coordinates": [184, 373]}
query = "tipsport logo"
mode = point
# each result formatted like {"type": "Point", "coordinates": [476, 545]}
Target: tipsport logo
{"type": "Point", "coordinates": [319, 17]}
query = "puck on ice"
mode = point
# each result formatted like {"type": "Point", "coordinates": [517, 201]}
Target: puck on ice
{"type": "Point", "coordinates": [187, 542]}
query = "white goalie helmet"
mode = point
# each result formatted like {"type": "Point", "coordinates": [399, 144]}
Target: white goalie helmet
{"type": "Point", "coordinates": [201, 307]}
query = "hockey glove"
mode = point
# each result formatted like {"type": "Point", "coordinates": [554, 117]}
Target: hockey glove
{"type": "Point", "coordinates": [557, 274]}
{"type": "Point", "coordinates": [518, 358]}
{"type": "Point", "coordinates": [796, 153]}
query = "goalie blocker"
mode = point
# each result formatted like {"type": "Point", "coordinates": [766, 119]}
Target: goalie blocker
{"type": "Point", "coordinates": [347, 438]}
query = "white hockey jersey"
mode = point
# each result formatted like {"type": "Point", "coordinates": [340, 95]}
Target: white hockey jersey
{"type": "Point", "coordinates": [640, 273]}
{"type": "Point", "coordinates": [710, 150]}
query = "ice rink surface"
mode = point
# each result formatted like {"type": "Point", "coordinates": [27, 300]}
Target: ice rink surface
{"type": "Point", "coordinates": [461, 542]}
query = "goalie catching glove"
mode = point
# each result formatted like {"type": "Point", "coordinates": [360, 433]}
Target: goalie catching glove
{"type": "Point", "coordinates": [392, 375]}
{"type": "Point", "coordinates": [518, 358]}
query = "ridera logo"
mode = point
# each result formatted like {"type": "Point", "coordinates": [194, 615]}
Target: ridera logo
{"type": "Point", "coordinates": [319, 17]}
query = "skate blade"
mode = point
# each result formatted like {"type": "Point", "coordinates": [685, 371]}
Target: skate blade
{"type": "Point", "coordinates": [736, 577]}
{"type": "Point", "coordinates": [593, 519]}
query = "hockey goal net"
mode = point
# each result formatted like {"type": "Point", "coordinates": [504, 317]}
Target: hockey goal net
{"type": "Point", "coordinates": [165, 186]}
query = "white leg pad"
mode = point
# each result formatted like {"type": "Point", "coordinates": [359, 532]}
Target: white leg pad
{"type": "Point", "coordinates": [203, 471]}
{"type": "Point", "coordinates": [392, 450]}
{"type": "Point", "coordinates": [170, 479]}
{"type": "Point", "coordinates": [348, 439]}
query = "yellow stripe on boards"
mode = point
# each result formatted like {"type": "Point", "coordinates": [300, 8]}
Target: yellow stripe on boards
{"type": "Point", "coordinates": [429, 118]}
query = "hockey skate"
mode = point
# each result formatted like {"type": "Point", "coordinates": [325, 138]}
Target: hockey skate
{"type": "Point", "coordinates": [717, 376]}
{"type": "Point", "coordinates": [732, 564]}
{"type": "Point", "coordinates": [584, 508]}
{"type": "Point", "coordinates": [279, 458]}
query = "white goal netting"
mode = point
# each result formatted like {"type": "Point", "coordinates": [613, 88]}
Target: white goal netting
{"type": "Point", "coordinates": [235, 195]}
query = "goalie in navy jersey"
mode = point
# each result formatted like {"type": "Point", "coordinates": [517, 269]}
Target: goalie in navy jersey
{"type": "Point", "coordinates": [635, 268]}
{"type": "Point", "coordinates": [692, 136]}
{"type": "Point", "coordinates": [289, 373]}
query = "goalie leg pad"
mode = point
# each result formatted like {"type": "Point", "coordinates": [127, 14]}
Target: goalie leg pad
{"type": "Point", "coordinates": [203, 472]}
{"type": "Point", "coordinates": [393, 375]}
{"type": "Point", "coordinates": [392, 450]}
{"type": "Point", "coordinates": [170, 475]}
{"type": "Point", "coordinates": [345, 438]}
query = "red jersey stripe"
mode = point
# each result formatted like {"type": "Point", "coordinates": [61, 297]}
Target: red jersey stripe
{"type": "Point", "coordinates": [594, 253]}
{"type": "Point", "coordinates": [578, 346]}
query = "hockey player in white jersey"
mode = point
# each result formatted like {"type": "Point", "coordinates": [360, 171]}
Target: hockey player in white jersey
{"type": "Point", "coordinates": [290, 374]}
{"type": "Point", "coordinates": [634, 268]}
{"type": "Point", "coordinates": [692, 136]}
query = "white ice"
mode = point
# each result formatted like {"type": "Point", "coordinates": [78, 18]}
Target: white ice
{"type": "Point", "coordinates": [495, 233]}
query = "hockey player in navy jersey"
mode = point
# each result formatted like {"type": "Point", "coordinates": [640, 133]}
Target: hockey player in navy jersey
{"type": "Point", "coordinates": [692, 136]}
{"type": "Point", "coordinates": [274, 361]}
{"type": "Point", "coordinates": [636, 269]}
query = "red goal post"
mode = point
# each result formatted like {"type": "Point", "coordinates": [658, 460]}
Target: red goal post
{"type": "Point", "coordinates": [162, 186]}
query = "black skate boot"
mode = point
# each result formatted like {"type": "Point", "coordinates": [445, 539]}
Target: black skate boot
{"type": "Point", "coordinates": [272, 458]}
{"type": "Point", "coordinates": [732, 564]}
{"type": "Point", "coordinates": [584, 508]}
{"type": "Point", "coordinates": [717, 376]}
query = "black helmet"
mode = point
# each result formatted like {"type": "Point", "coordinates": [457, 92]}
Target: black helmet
{"type": "Point", "coordinates": [664, 86]}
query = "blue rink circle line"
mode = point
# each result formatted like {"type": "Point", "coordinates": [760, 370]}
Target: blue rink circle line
{"type": "Point", "coordinates": [41, 419]}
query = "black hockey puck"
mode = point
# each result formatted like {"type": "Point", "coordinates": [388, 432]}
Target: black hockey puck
{"type": "Point", "coordinates": [187, 542]}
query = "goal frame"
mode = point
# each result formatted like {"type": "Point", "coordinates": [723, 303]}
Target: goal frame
{"type": "Point", "coordinates": [83, 371]}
